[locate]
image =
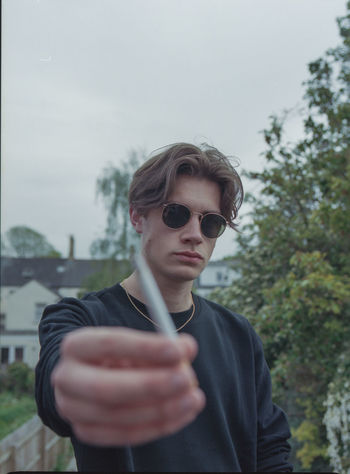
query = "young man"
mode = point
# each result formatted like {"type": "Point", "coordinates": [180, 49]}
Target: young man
{"type": "Point", "coordinates": [130, 398]}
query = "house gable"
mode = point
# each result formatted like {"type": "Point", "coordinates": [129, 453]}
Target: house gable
{"type": "Point", "coordinates": [23, 307]}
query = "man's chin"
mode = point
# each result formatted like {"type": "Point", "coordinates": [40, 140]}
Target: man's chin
{"type": "Point", "coordinates": [187, 274]}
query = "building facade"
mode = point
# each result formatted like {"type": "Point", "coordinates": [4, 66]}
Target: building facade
{"type": "Point", "coordinates": [28, 285]}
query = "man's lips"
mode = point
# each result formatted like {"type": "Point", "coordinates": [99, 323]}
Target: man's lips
{"type": "Point", "coordinates": [190, 255]}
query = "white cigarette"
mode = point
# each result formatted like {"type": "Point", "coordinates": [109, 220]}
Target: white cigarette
{"type": "Point", "coordinates": [154, 299]}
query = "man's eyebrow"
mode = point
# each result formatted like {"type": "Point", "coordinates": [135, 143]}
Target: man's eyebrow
{"type": "Point", "coordinates": [213, 211]}
{"type": "Point", "coordinates": [205, 211]}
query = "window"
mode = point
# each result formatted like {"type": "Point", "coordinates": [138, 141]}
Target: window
{"type": "Point", "coordinates": [5, 355]}
{"type": "Point", "coordinates": [27, 273]}
{"type": "Point", "coordinates": [60, 269]}
{"type": "Point", "coordinates": [19, 354]}
{"type": "Point", "coordinates": [218, 276]}
{"type": "Point", "coordinates": [2, 321]}
{"type": "Point", "coordinates": [39, 308]}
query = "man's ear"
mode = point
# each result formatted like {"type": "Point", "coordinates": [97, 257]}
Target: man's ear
{"type": "Point", "coordinates": [136, 219]}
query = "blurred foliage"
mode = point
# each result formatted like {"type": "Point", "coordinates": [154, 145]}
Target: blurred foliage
{"type": "Point", "coordinates": [14, 411]}
{"type": "Point", "coordinates": [22, 241]}
{"type": "Point", "coordinates": [17, 404]}
{"type": "Point", "coordinates": [17, 378]}
{"type": "Point", "coordinates": [108, 273]}
{"type": "Point", "coordinates": [294, 254]}
{"type": "Point", "coordinates": [118, 244]}
{"type": "Point", "coordinates": [113, 187]}
{"type": "Point", "coordinates": [305, 319]}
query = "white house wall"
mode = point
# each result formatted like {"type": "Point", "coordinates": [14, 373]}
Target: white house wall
{"type": "Point", "coordinates": [21, 305]}
{"type": "Point", "coordinates": [69, 292]}
{"type": "Point", "coordinates": [217, 274]}
{"type": "Point", "coordinates": [6, 290]}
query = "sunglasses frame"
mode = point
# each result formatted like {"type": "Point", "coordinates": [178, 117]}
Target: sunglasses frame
{"type": "Point", "coordinates": [202, 215]}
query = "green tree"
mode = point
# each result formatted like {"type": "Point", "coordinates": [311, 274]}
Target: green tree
{"type": "Point", "coordinates": [18, 379]}
{"type": "Point", "coordinates": [113, 186]}
{"type": "Point", "coordinates": [118, 244]}
{"type": "Point", "coordinates": [22, 241]}
{"type": "Point", "coordinates": [294, 254]}
{"type": "Point", "coordinates": [305, 324]}
{"type": "Point", "coordinates": [108, 272]}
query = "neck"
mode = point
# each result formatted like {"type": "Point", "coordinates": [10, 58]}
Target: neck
{"type": "Point", "coordinates": [177, 296]}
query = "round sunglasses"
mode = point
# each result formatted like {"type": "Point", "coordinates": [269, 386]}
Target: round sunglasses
{"type": "Point", "coordinates": [177, 215]}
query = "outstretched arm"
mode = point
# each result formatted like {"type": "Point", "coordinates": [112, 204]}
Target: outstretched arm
{"type": "Point", "coordinates": [114, 385]}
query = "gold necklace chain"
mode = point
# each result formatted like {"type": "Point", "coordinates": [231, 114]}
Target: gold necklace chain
{"type": "Point", "coordinates": [151, 320]}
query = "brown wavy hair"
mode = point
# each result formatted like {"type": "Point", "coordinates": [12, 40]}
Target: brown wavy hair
{"type": "Point", "coordinates": [154, 181]}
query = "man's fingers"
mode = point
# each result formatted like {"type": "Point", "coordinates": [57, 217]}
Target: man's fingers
{"type": "Point", "coordinates": [121, 386]}
{"type": "Point", "coordinates": [129, 347]}
{"type": "Point", "coordinates": [109, 434]}
{"type": "Point", "coordinates": [79, 411]}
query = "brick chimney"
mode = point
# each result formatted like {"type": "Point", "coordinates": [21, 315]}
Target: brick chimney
{"type": "Point", "coordinates": [71, 247]}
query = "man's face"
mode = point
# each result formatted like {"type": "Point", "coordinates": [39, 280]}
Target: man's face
{"type": "Point", "coordinates": [179, 254]}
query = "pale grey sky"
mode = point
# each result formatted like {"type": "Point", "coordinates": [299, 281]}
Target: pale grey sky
{"type": "Point", "coordinates": [85, 81]}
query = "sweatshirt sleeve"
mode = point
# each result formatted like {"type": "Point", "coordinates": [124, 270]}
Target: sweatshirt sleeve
{"type": "Point", "coordinates": [273, 450]}
{"type": "Point", "coordinates": [58, 320]}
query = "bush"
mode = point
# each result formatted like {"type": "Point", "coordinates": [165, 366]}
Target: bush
{"type": "Point", "coordinates": [14, 411]}
{"type": "Point", "coordinates": [18, 379]}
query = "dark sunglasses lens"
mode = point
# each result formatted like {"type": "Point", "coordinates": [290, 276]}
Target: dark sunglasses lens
{"type": "Point", "coordinates": [176, 215]}
{"type": "Point", "coordinates": [213, 225]}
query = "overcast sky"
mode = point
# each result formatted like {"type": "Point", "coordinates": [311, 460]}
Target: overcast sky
{"type": "Point", "coordinates": [85, 81]}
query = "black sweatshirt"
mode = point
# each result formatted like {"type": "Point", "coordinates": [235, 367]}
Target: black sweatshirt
{"type": "Point", "coordinates": [240, 429]}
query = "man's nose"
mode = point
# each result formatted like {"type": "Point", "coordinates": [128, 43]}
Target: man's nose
{"type": "Point", "coordinates": [192, 230]}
